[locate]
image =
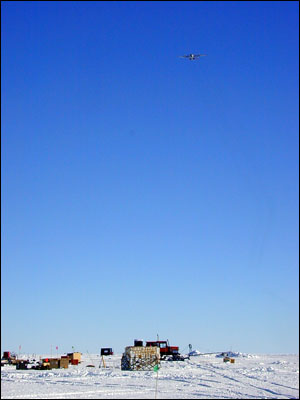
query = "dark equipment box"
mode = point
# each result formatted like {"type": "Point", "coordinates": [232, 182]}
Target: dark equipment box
{"type": "Point", "coordinates": [107, 351]}
{"type": "Point", "coordinates": [138, 343]}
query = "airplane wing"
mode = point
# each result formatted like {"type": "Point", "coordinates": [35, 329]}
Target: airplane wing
{"type": "Point", "coordinates": [200, 55]}
{"type": "Point", "coordinates": [184, 56]}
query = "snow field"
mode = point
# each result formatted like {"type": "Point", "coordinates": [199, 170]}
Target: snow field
{"type": "Point", "coordinates": [251, 376]}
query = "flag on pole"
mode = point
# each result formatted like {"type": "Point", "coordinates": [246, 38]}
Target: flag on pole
{"type": "Point", "coordinates": [56, 347]}
{"type": "Point", "coordinates": [156, 368]}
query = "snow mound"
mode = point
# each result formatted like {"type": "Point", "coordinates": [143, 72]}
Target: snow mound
{"type": "Point", "coordinates": [194, 353]}
{"type": "Point", "coordinates": [235, 354]}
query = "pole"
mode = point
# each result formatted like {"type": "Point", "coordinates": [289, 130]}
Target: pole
{"type": "Point", "coordinates": [102, 362]}
{"type": "Point", "coordinates": [156, 384]}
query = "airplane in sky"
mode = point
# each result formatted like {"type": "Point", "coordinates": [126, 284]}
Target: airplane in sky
{"type": "Point", "coordinates": [193, 56]}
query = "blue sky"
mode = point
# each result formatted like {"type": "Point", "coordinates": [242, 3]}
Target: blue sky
{"type": "Point", "coordinates": [143, 193]}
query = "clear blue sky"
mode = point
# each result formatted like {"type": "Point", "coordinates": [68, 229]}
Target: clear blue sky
{"type": "Point", "coordinates": [143, 193]}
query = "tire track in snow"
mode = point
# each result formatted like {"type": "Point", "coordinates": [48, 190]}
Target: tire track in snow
{"type": "Point", "coordinates": [243, 384]}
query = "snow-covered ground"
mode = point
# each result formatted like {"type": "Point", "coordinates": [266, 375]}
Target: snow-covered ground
{"type": "Point", "coordinates": [208, 377]}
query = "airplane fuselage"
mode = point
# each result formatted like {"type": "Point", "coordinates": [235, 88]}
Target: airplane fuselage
{"type": "Point", "coordinates": [193, 56]}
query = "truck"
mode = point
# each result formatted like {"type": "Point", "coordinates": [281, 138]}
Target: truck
{"type": "Point", "coordinates": [167, 352]}
{"type": "Point", "coordinates": [8, 358]}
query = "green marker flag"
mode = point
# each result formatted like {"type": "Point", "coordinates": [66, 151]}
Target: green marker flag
{"type": "Point", "coordinates": [156, 368]}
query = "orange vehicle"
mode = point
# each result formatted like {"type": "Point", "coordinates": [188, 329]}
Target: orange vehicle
{"type": "Point", "coordinates": [167, 352]}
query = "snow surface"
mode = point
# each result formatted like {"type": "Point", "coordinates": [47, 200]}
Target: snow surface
{"type": "Point", "coordinates": [201, 377]}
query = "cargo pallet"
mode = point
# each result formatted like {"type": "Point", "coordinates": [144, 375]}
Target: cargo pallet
{"type": "Point", "coordinates": [137, 358]}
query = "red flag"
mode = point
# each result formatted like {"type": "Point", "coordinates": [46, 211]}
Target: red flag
{"type": "Point", "coordinates": [56, 347]}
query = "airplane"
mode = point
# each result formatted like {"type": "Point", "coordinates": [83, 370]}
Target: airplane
{"type": "Point", "coordinates": [193, 56]}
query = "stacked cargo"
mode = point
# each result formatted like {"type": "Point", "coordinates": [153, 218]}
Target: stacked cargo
{"type": "Point", "coordinates": [74, 358]}
{"type": "Point", "coordinates": [49, 363]}
{"type": "Point", "coordinates": [64, 362]}
{"type": "Point", "coordinates": [54, 362]}
{"type": "Point", "coordinates": [140, 358]}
